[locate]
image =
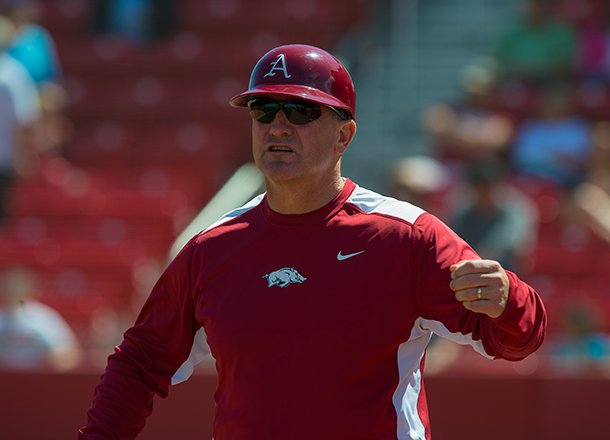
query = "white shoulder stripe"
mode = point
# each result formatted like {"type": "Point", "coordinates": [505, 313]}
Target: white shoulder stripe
{"type": "Point", "coordinates": [459, 338]}
{"type": "Point", "coordinates": [371, 202]}
{"type": "Point", "coordinates": [199, 351]}
{"type": "Point", "coordinates": [236, 212]}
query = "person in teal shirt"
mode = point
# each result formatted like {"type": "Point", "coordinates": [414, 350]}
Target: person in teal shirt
{"type": "Point", "coordinates": [32, 45]}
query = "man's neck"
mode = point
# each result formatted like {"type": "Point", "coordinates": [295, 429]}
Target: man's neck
{"type": "Point", "coordinates": [299, 198]}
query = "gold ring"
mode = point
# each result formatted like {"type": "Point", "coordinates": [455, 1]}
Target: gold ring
{"type": "Point", "coordinates": [479, 291]}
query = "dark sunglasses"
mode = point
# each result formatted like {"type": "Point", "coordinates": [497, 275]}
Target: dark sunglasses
{"type": "Point", "coordinates": [298, 112]}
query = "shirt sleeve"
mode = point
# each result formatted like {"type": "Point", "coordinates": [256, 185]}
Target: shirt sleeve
{"type": "Point", "coordinates": [151, 352]}
{"type": "Point", "coordinates": [518, 332]}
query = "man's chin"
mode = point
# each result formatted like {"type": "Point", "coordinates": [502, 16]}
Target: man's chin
{"type": "Point", "coordinates": [278, 171]}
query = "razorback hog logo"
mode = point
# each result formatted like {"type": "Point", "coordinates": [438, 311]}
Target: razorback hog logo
{"type": "Point", "coordinates": [283, 277]}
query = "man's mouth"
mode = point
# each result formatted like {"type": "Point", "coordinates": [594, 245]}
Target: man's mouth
{"type": "Point", "coordinates": [280, 149]}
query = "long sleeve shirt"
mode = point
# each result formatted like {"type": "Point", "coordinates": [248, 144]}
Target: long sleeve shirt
{"type": "Point", "coordinates": [318, 323]}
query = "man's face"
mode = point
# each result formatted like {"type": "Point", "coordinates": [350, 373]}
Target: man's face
{"type": "Point", "coordinates": [285, 152]}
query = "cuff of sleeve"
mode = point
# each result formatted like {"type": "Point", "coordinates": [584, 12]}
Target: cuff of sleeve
{"type": "Point", "coordinates": [515, 339]}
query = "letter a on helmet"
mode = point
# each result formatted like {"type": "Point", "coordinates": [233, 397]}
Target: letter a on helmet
{"type": "Point", "coordinates": [282, 67]}
{"type": "Point", "coordinates": [304, 72]}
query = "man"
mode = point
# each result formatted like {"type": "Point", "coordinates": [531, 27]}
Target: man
{"type": "Point", "coordinates": [495, 218]}
{"type": "Point", "coordinates": [20, 112]}
{"type": "Point", "coordinates": [538, 47]}
{"type": "Point", "coordinates": [319, 297]}
{"type": "Point", "coordinates": [32, 335]}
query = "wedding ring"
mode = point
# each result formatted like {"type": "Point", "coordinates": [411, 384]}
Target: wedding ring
{"type": "Point", "coordinates": [479, 292]}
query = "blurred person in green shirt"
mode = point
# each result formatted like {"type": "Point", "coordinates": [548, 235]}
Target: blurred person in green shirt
{"type": "Point", "coordinates": [538, 46]}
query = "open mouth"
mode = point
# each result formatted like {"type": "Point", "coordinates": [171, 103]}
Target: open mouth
{"type": "Point", "coordinates": [280, 149]}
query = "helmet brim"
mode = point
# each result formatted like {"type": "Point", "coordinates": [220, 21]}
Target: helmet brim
{"type": "Point", "coordinates": [292, 91]}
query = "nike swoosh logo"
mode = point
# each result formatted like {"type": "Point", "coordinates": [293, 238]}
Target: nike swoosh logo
{"type": "Point", "coordinates": [342, 257]}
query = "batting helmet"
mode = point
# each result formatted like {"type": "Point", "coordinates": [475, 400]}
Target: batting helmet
{"type": "Point", "coordinates": [304, 72]}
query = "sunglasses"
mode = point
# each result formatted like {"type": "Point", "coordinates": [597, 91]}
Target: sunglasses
{"type": "Point", "coordinates": [298, 112]}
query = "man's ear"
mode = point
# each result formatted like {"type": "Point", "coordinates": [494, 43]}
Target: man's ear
{"type": "Point", "coordinates": [347, 131]}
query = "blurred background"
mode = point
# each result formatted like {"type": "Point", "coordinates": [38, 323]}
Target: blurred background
{"type": "Point", "coordinates": [117, 144]}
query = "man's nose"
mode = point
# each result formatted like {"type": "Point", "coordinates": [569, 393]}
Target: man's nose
{"type": "Point", "coordinates": [281, 122]}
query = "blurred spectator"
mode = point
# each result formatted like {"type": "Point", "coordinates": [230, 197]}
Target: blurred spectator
{"type": "Point", "coordinates": [420, 180]}
{"type": "Point", "coordinates": [7, 122]}
{"type": "Point", "coordinates": [32, 45]}
{"type": "Point", "coordinates": [594, 202]}
{"type": "Point", "coordinates": [498, 221]}
{"type": "Point", "coordinates": [34, 48]}
{"type": "Point", "coordinates": [581, 346]}
{"type": "Point", "coordinates": [594, 48]}
{"type": "Point", "coordinates": [19, 116]}
{"type": "Point", "coordinates": [138, 21]}
{"type": "Point", "coordinates": [55, 128]}
{"type": "Point", "coordinates": [471, 128]}
{"type": "Point", "coordinates": [32, 335]}
{"type": "Point", "coordinates": [538, 47]}
{"type": "Point", "coordinates": [554, 145]}
{"type": "Point", "coordinates": [592, 197]}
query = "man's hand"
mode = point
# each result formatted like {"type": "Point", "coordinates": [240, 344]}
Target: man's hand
{"type": "Point", "coordinates": [481, 286]}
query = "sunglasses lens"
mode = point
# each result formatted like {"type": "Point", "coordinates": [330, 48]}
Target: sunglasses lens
{"type": "Point", "coordinates": [297, 112]}
{"type": "Point", "coordinates": [263, 111]}
{"type": "Point", "coordinates": [301, 112]}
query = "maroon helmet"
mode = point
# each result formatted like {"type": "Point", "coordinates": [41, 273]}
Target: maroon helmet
{"type": "Point", "coordinates": [304, 72]}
